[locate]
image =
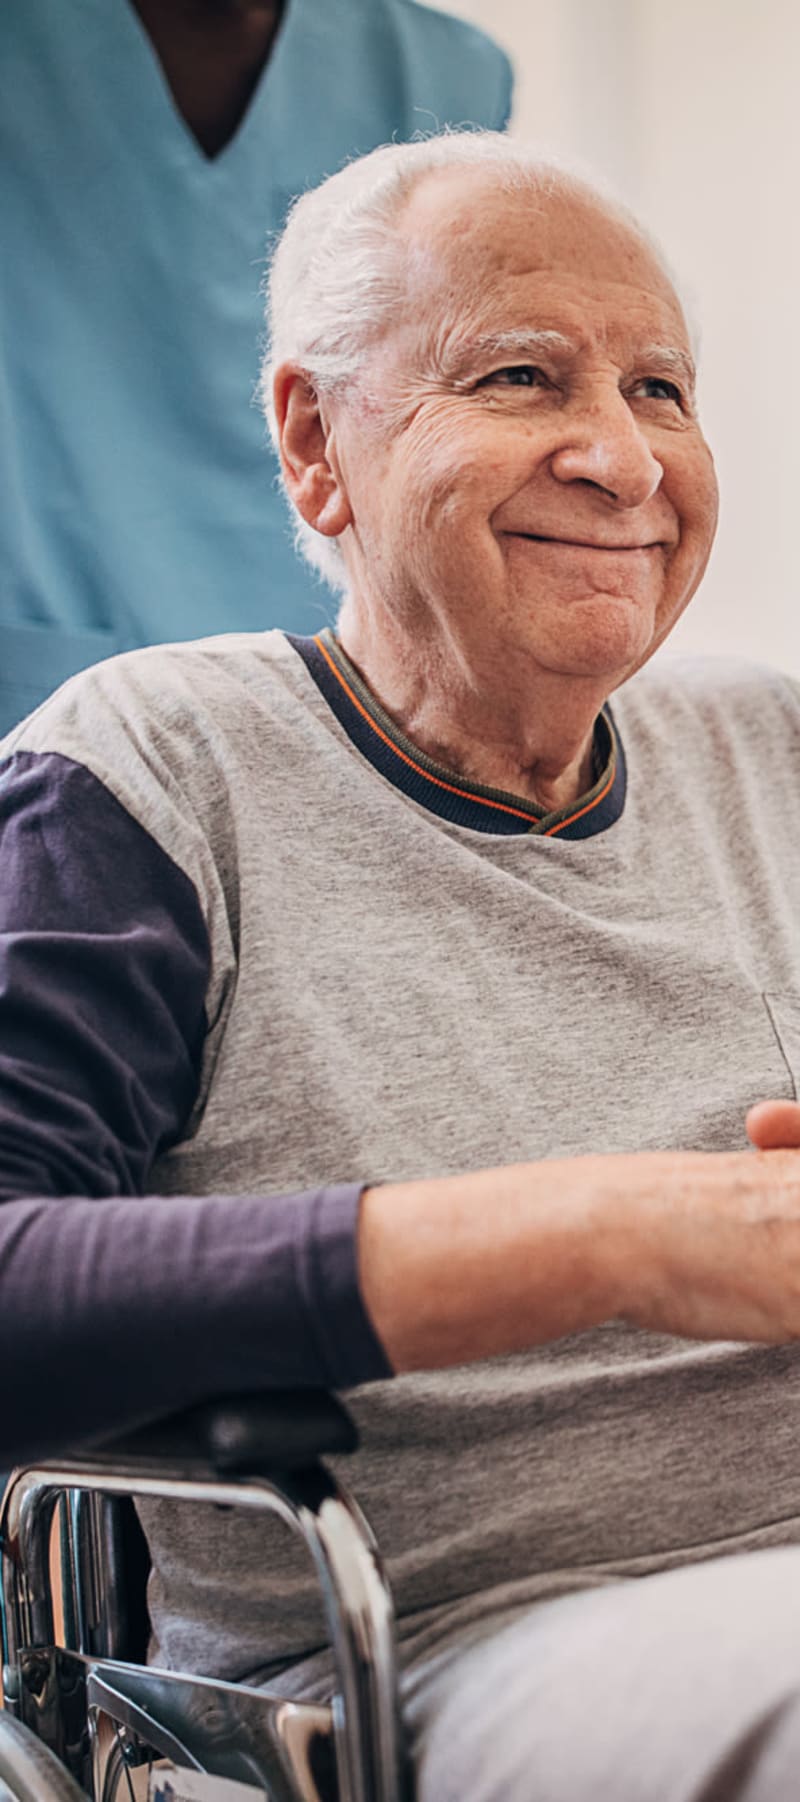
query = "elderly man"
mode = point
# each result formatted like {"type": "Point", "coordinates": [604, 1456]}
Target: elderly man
{"type": "Point", "coordinates": [389, 1005]}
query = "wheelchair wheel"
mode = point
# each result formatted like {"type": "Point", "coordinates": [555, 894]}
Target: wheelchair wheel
{"type": "Point", "coordinates": [124, 1781]}
{"type": "Point", "coordinates": [29, 1772]}
{"type": "Point", "coordinates": [118, 1783]}
{"type": "Point", "coordinates": [116, 1776]}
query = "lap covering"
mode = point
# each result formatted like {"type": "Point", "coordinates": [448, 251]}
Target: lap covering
{"type": "Point", "coordinates": [683, 1687]}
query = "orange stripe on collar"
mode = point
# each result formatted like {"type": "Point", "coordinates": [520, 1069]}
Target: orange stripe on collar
{"type": "Point", "coordinates": [480, 800]}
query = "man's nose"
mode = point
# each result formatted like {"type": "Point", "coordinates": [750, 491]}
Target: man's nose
{"type": "Point", "coordinates": [603, 444]}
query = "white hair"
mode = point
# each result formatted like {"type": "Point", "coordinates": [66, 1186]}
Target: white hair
{"type": "Point", "coordinates": [335, 272]}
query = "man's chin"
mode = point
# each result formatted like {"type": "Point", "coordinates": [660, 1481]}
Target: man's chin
{"type": "Point", "coordinates": [607, 637]}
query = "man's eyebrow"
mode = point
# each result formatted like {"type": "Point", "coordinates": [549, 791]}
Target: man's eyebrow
{"type": "Point", "coordinates": [456, 354]}
{"type": "Point", "coordinates": [667, 356]}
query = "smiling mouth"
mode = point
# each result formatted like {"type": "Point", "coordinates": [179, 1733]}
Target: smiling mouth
{"type": "Point", "coordinates": [587, 544]}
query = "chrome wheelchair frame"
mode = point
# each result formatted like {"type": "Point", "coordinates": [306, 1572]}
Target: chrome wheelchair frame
{"type": "Point", "coordinates": [83, 1719]}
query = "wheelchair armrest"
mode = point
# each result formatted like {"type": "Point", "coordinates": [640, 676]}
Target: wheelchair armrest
{"type": "Point", "coordinates": [253, 1435]}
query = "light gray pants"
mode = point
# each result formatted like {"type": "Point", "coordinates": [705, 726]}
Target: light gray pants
{"type": "Point", "coordinates": [683, 1687]}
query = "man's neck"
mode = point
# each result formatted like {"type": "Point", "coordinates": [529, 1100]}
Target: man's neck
{"type": "Point", "coordinates": [533, 740]}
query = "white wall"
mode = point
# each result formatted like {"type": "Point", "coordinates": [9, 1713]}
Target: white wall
{"type": "Point", "coordinates": [691, 108]}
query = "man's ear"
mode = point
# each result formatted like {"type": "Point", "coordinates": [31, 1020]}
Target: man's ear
{"type": "Point", "coordinates": [311, 474]}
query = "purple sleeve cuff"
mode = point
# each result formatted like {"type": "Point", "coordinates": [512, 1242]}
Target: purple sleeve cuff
{"type": "Point", "coordinates": [348, 1346]}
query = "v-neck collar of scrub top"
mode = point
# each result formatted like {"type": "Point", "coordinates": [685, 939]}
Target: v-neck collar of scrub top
{"type": "Point", "coordinates": [309, 72]}
{"type": "Point", "coordinates": [164, 99]}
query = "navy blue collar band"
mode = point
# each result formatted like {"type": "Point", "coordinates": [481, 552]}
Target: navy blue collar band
{"type": "Point", "coordinates": [443, 791]}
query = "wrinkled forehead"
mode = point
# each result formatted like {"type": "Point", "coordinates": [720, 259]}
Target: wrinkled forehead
{"type": "Point", "coordinates": [475, 254]}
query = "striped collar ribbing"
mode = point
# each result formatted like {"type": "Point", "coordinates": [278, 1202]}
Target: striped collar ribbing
{"type": "Point", "coordinates": [443, 791]}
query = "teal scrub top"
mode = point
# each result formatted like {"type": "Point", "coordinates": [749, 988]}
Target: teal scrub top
{"type": "Point", "coordinates": [139, 497]}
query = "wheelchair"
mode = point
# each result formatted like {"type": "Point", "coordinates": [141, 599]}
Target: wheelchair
{"type": "Point", "coordinates": [84, 1719]}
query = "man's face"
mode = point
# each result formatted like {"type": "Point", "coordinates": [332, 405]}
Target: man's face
{"type": "Point", "coordinates": [522, 459]}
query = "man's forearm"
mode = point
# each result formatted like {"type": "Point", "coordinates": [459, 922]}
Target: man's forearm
{"type": "Point", "coordinates": [704, 1245]}
{"type": "Point", "coordinates": [464, 1267]}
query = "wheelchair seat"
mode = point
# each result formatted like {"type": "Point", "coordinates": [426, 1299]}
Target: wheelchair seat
{"type": "Point", "coordinates": [85, 1718]}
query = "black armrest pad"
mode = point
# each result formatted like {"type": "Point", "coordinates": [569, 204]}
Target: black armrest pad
{"type": "Point", "coordinates": [282, 1429]}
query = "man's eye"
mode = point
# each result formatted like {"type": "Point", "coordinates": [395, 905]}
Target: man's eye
{"type": "Point", "coordinates": [516, 375]}
{"type": "Point", "coordinates": [658, 388]}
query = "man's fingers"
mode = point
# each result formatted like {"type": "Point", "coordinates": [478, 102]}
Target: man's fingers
{"type": "Point", "coordinates": [774, 1125]}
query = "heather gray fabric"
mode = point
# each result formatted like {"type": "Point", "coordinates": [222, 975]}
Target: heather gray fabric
{"type": "Point", "coordinates": [395, 996]}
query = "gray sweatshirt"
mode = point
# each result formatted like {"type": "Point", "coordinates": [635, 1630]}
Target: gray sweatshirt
{"type": "Point", "coordinates": [260, 952]}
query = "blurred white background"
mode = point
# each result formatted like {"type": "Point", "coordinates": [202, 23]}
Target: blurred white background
{"type": "Point", "coordinates": [690, 108]}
